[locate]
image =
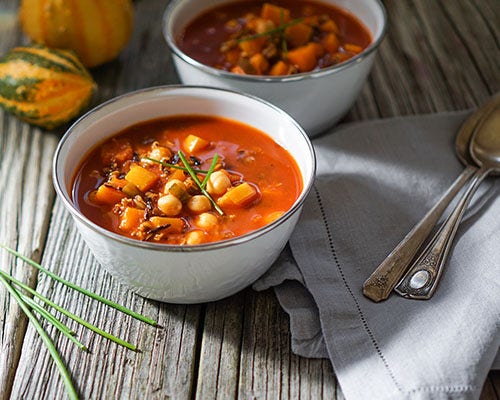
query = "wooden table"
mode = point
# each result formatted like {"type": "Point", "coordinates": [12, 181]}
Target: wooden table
{"type": "Point", "coordinates": [438, 55]}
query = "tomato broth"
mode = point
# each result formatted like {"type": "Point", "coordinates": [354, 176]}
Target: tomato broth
{"type": "Point", "coordinates": [137, 183]}
{"type": "Point", "coordinates": [280, 37]}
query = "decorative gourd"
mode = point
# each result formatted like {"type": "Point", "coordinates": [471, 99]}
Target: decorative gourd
{"type": "Point", "coordinates": [96, 30]}
{"type": "Point", "coordinates": [43, 86]}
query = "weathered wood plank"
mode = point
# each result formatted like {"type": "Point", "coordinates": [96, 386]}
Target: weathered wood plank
{"type": "Point", "coordinates": [238, 347]}
{"type": "Point", "coordinates": [162, 369]}
{"type": "Point", "coordinates": [25, 201]}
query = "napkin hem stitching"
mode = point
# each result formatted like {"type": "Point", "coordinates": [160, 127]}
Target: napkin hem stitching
{"type": "Point", "coordinates": [351, 293]}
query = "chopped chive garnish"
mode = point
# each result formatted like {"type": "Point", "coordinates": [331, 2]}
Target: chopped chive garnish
{"type": "Point", "coordinates": [197, 181]}
{"type": "Point", "coordinates": [270, 32]}
{"type": "Point", "coordinates": [68, 384]}
{"type": "Point", "coordinates": [210, 170]}
{"type": "Point", "coordinates": [284, 48]}
{"type": "Point", "coordinates": [165, 164]}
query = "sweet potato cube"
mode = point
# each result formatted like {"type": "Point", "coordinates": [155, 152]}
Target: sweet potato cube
{"type": "Point", "coordinates": [252, 46]}
{"type": "Point", "coordinates": [298, 34]}
{"type": "Point", "coordinates": [141, 177]}
{"type": "Point", "coordinates": [238, 196]}
{"type": "Point", "coordinates": [232, 55]}
{"type": "Point", "coordinates": [353, 48]}
{"type": "Point", "coordinates": [177, 174]}
{"type": "Point", "coordinates": [279, 68]}
{"type": "Point", "coordinates": [339, 57]}
{"type": "Point", "coordinates": [274, 13]}
{"type": "Point", "coordinates": [193, 143]}
{"type": "Point", "coordinates": [303, 57]}
{"type": "Point", "coordinates": [238, 70]}
{"type": "Point", "coordinates": [329, 26]}
{"type": "Point", "coordinates": [330, 42]}
{"type": "Point", "coordinates": [260, 63]}
{"type": "Point", "coordinates": [107, 195]}
{"type": "Point", "coordinates": [131, 218]}
{"type": "Point", "coordinates": [170, 225]}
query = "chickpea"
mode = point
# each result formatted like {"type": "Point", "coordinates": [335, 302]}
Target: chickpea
{"type": "Point", "coordinates": [199, 204]}
{"type": "Point", "coordinates": [218, 183]}
{"type": "Point", "coordinates": [160, 152]}
{"type": "Point", "coordinates": [195, 237]}
{"type": "Point", "coordinates": [206, 221]}
{"type": "Point", "coordinates": [169, 205]}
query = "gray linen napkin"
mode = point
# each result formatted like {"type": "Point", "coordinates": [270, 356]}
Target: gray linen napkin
{"type": "Point", "coordinates": [375, 180]}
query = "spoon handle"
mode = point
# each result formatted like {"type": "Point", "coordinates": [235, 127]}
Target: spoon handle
{"type": "Point", "coordinates": [382, 281]}
{"type": "Point", "coordinates": [422, 278]}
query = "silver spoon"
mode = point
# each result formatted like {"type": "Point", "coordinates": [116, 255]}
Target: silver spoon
{"type": "Point", "coordinates": [383, 280]}
{"type": "Point", "coordinates": [422, 278]}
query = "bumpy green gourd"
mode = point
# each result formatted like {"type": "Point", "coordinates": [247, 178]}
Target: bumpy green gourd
{"type": "Point", "coordinates": [44, 86]}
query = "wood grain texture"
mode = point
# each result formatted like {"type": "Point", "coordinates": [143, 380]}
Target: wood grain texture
{"type": "Point", "coordinates": [437, 56]}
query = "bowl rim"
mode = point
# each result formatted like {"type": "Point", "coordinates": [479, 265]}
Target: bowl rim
{"type": "Point", "coordinates": [267, 78]}
{"type": "Point", "coordinates": [76, 213]}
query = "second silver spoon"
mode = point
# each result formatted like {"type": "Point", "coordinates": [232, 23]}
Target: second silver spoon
{"type": "Point", "coordinates": [422, 278]}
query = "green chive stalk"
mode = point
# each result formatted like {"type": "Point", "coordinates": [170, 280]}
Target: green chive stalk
{"type": "Point", "coordinates": [66, 377]}
{"type": "Point", "coordinates": [69, 314]}
{"type": "Point", "coordinates": [197, 181]}
{"type": "Point", "coordinates": [80, 289]}
{"type": "Point", "coordinates": [28, 305]}
{"type": "Point", "coordinates": [280, 29]}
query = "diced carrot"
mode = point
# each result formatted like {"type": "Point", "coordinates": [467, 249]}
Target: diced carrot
{"type": "Point", "coordinates": [131, 218]}
{"type": "Point", "coordinates": [238, 196]}
{"type": "Point", "coordinates": [171, 225]}
{"type": "Point", "coordinates": [193, 143]}
{"type": "Point", "coordinates": [238, 70]}
{"type": "Point", "coordinates": [232, 55]}
{"type": "Point", "coordinates": [141, 177]}
{"type": "Point", "coordinates": [353, 48]}
{"type": "Point", "coordinates": [274, 13]}
{"type": "Point", "coordinates": [260, 63]}
{"type": "Point", "coordinates": [108, 195]}
{"type": "Point", "coordinates": [298, 34]}
{"type": "Point", "coordinates": [329, 26]}
{"type": "Point", "coordinates": [339, 57]}
{"type": "Point", "coordinates": [177, 174]}
{"type": "Point", "coordinates": [252, 46]}
{"type": "Point", "coordinates": [279, 68]}
{"type": "Point", "coordinates": [303, 57]}
{"type": "Point", "coordinates": [318, 49]}
{"type": "Point", "coordinates": [330, 42]}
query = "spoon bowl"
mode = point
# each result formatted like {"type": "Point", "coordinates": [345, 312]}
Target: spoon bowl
{"type": "Point", "coordinates": [484, 146]}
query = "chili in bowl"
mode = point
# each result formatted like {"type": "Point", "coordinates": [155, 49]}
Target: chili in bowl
{"type": "Point", "coordinates": [185, 194]}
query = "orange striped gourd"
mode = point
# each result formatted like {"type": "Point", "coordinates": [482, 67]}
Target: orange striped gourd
{"type": "Point", "coordinates": [43, 86]}
{"type": "Point", "coordinates": [96, 30]}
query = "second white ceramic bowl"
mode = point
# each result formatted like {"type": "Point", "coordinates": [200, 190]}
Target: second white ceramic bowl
{"type": "Point", "coordinates": [317, 100]}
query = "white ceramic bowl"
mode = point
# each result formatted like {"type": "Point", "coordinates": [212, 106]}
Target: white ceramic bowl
{"type": "Point", "coordinates": [315, 99]}
{"type": "Point", "coordinates": [183, 274]}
